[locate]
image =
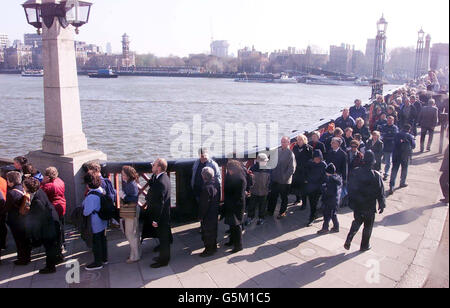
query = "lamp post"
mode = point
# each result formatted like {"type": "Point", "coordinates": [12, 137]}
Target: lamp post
{"type": "Point", "coordinates": [64, 144]}
{"type": "Point", "coordinates": [68, 12]}
{"type": "Point", "coordinates": [380, 57]}
{"type": "Point", "coordinates": [419, 54]}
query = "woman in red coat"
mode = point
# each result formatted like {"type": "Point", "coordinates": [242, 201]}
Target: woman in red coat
{"type": "Point", "coordinates": [55, 188]}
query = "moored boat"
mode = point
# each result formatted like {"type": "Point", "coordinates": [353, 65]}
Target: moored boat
{"type": "Point", "coordinates": [103, 73]}
{"type": "Point", "coordinates": [33, 73]}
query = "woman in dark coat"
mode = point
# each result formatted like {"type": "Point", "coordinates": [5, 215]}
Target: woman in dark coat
{"type": "Point", "coordinates": [315, 177]}
{"type": "Point", "coordinates": [361, 129]}
{"type": "Point", "coordinates": [209, 211]}
{"type": "Point", "coordinates": [42, 223]}
{"type": "Point", "coordinates": [15, 220]}
{"type": "Point", "coordinates": [316, 144]}
{"type": "Point", "coordinates": [303, 154]}
{"type": "Point", "coordinates": [234, 205]}
{"type": "Point", "coordinates": [375, 145]}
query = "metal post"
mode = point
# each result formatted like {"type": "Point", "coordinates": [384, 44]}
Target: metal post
{"type": "Point", "coordinates": [443, 118]}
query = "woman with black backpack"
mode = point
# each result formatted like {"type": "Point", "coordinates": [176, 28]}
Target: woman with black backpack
{"type": "Point", "coordinates": [91, 208]}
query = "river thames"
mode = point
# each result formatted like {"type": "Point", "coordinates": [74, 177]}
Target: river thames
{"type": "Point", "coordinates": [130, 118]}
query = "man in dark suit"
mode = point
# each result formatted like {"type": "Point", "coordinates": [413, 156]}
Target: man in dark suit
{"type": "Point", "coordinates": [234, 205]}
{"type": "Point", "coordinates": [338, 158]}
{"type": "Point", "coordinates": [158, 201]}
{"type": "Point", "coordinates": [364, 190]}
{"type": "Point", "coordinates": [428, 119]}
{"type": "Point", "coordinates": [404, 144]}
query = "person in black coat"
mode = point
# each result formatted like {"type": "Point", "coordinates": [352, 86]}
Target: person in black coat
{"type": "Point", "coordinates": [364, 190]}
{"type": "Point", "coordinates": [315, 177]}
{"type": "Point", "coordinates": [316, 144]}
{"type": "Point", "coordinates": [404, 144]}
{"type": "Point", "coordinates": [331, 192]}
{"type": "Point", "coordinates": [339, 159]}
{"type": "Point", "coordinates": [208, 211]}
{"type": "Point", "coordinates": [42, 223]}
{"type": "Point", "coordinates": [15, 220]}
{"type": "Point", "coordinates": [375, 145]}
{"type": "Point", "coordinates": [338, 133]}
{"type": "Point", "coordinates": [443, 180]}
{"type": "Point", "coordinates": [361, 129]}
{"type": "Point", "coordinates": [408, 115]}
{"type": "Point", "coordinates": [428, 119]}
{"type": "Point", "coordinates": [158, 201]}
{"type": "Point", "coordinates": [303, 153]}
{"type": "Point", "coordinates": [234, 203]}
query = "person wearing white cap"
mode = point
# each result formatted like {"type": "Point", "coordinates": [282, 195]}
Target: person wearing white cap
{"type": "Point", "coordinates": [259, 190]}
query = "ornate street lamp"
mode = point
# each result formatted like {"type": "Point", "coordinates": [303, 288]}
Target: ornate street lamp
{"type": "Point", "coordinates": [421, 35]}
{"type": "Point", "coordinates": [419, 54]}
{"type": "Point", "coordinates": [33, 13]}
{"type": "Point", "coordinates": [380, 57]}
{"type": "Point", "coordinates": [68, 12]}
{"type": "Point", "coordinates": [382, 25]}
{"type": "Point", "coordinates": [77, 13]}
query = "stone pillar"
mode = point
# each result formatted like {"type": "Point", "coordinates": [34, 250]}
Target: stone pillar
{"type": "Point", "coordinates": [64, 145]}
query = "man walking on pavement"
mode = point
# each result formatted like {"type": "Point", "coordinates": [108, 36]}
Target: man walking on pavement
{"type": "Point", "coordinates": [364, 190]}
{"type": "Point", "coordinates": [403, 145]}
{"type": "Point", "coordinates": [388, 133]}
{"type": "Point", "coordinates": [428, 119]}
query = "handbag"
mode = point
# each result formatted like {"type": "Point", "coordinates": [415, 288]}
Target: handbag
{"type": "Point", "coordinates": [128, 210]}
{"type": "Point", "coordinates": [24, 208]}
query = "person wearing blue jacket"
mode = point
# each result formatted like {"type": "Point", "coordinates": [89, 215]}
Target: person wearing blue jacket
{"type": "Point", "coordinates": [345, 120]}
{"type": "Point", "coordinates": [403, 145]}
{"type": "Point", "coordinates": [196, 179]}
{"type": "Point", "coordinates": [30, 171]}
{"type": "Point", "coordinates": [388, 133]}
{"type": "Point", "coordinates": [331, 192]}
{"type": "Point", "coordinates": [358, 111]}
{"type": "Point", "coordinates": [91, 207]}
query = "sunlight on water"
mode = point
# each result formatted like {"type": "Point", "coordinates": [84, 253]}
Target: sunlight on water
{"type": "Point", "coordinates": [129, 118]}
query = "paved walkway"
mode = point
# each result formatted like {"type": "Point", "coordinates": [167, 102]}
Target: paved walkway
{"type": "Point", "coordinates": [278, 254]}
{"type": "Point", "coordinates": [439, 277]}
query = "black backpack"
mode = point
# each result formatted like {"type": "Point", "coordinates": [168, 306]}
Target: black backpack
{"type": "Point", "coordinates": [107, 208]}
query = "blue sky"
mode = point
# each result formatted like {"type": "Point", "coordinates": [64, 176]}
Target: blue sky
{"type": "Point", "coordinates": [181, 27]}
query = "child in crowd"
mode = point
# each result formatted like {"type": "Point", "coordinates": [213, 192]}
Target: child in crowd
{"type": "Point", "coordinates": [331, 191]}
{"type": "Point", "coordinates": [30, 171]}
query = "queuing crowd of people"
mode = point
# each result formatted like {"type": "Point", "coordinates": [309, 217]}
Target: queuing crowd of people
{"type": "Point", "coordinates": [338, 166]}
